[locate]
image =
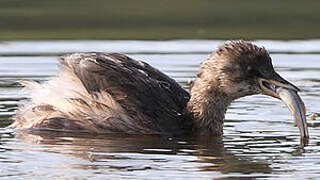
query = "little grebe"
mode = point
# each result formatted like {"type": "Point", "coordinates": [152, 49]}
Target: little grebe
{"type": "Point", "coordinates": [112, 93]}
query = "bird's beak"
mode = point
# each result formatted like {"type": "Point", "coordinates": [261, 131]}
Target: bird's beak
{"type": "Point", "coordinates": [280, 88]}
{"type": "Point", "coordinates": [269, 86]}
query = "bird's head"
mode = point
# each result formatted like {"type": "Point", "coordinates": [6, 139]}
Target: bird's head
{"type": "Point", "coordinates": [240, 68]}
{"type": "Point", "coordinates": [243, 69]}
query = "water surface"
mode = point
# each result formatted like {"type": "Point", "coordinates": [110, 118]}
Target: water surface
{"type": "Point", "coordinates": [259, 141]}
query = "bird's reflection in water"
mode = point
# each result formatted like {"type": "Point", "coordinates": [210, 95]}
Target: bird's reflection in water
{"type": "Point", "coordinates": [145, 152]}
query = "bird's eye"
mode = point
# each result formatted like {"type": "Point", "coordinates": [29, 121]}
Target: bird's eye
{"type": "Point", "coordinates": [252, 72]}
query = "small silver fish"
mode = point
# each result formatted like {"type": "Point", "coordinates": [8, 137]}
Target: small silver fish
{"type": "Point", "coordinates": [296, 107]}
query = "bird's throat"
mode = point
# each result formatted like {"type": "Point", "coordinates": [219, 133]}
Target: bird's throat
{"type": "Point", "coordinates": [208, 106]}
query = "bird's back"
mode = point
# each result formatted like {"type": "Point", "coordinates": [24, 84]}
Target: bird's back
{"type": "Point", "coordinates": [105, 93]}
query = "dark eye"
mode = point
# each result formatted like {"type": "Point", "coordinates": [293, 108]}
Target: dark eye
{"type": "Point", "coordinates": [249, 69]}
{"type": "Point", "coordinates": [252, 72]}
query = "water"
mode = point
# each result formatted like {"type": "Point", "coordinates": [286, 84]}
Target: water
{"type": "Point", "coordinates": [260, 140]}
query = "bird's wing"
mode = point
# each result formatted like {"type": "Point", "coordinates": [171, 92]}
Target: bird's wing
{"type": "Point", "coordinates": [147, 95]}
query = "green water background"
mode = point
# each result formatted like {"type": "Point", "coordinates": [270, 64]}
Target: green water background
{"type": "Point", "coordinates": [159, 19]}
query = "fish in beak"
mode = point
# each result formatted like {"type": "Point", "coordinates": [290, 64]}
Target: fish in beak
{"type": "Point", "coordinates": [280, 88]}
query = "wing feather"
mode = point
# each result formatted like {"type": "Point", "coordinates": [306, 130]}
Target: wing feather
{"type": "Point", "coordinates": [149, 101]}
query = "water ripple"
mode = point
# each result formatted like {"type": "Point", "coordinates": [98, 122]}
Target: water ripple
{"type": "Point", "coordinates": [259, 141]}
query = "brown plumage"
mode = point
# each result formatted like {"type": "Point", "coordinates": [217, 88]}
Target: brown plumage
{"type": "Point", "coordinates": [110, 93]}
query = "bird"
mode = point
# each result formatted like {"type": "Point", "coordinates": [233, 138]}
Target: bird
{"type": "Point", "coordinates": [100, 93]}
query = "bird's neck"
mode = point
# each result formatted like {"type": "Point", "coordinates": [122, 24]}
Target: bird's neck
{"type": "Point", "coordinates": [208, 105]}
